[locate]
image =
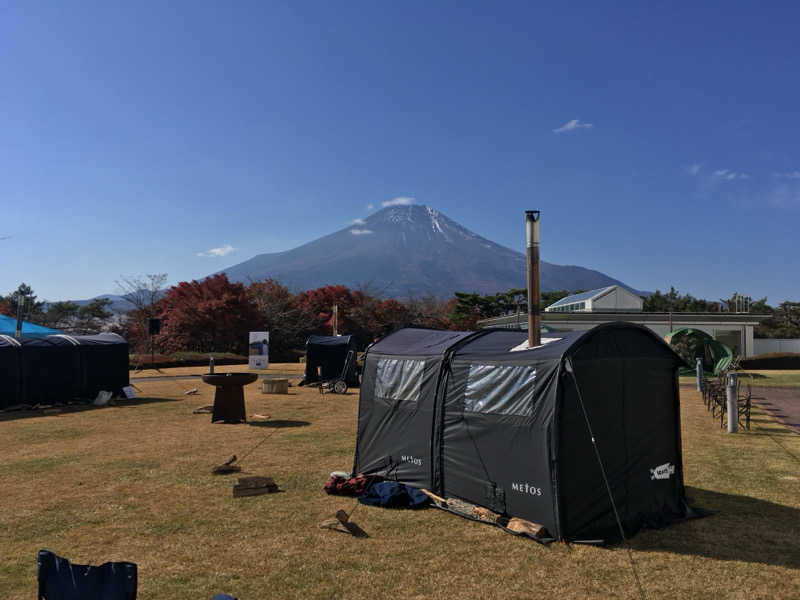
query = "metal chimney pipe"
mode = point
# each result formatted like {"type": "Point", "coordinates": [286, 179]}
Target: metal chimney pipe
{"type": "Point", "coordinates": [534, 315]}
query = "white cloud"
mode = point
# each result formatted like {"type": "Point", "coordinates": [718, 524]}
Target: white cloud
{"type": "Point", "coordinates": [215, 252]}
{"type": "Point", "coordinates": [358, 222]}
{"type": "Point", "coordinates": [399, 201]}
{"type": "Point", "coordinates": [729, 175]}
{"type": "Point", "coordinates": [694, 168]}
{"type": "Point", "coordinates": [788, 175]}
{"type": "Point", "coordinates": [370, 206]}
{"type": "Point", "coordinates": [571, 125]}
{"type": "Point", "coordinates": [360, 231]}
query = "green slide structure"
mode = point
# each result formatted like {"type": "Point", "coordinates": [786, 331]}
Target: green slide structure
{"type": "Point", "coordinates": [691, 343]}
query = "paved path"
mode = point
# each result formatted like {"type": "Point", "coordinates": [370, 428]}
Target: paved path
{"type": "Point", "coordinates": [781, 403]}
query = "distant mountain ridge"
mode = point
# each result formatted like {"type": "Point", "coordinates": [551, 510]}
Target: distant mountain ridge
{"type": "Point", "coordinates": [410, 250]}
{"type": "Point", "coordinates": [118, 303]}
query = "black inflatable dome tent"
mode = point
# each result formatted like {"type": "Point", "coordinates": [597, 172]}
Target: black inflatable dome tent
{"type": "Point", "coordinates": [325, 355]}
{"type": "Point", "coordinates": [468, 416]}
{"type": "Point", "coordinates": [58, 368]}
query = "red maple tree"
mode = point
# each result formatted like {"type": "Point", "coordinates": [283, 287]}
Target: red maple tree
{"type": "Point", "coordinates": [6, 308]}
{"type": "Point", "coordinates": [213, 315]}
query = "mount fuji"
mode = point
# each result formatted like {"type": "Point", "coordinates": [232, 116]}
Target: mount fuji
{"type": "Point", "coordinates": [410, 250]}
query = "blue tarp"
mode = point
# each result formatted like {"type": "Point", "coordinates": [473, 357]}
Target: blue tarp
{"type": "Point", "coordinates": [8, 326]}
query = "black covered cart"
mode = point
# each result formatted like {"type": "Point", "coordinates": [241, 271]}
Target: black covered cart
{"type": "Point", "coordinates": [331, 358]}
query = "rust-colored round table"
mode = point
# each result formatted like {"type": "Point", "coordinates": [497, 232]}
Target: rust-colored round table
{"type": "Point", "coordinates": [229, 396]}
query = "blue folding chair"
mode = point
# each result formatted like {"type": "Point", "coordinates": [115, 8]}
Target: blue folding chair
{"type": "Point", "coordinates": [59, 579]}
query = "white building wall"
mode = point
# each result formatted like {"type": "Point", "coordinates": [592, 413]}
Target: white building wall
{"type": "Point", "coordinates": [618, 299]}
{"type": "Point", "coordinates": [775, 345]}
{"type": "Point", "coordinates": [746, 346]}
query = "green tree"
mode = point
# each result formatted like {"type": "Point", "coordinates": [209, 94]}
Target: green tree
{"type": "Point", "coordinates": [92, 316]}
{"type": "Point", "coordinates": [469, 308]}
{"type": "Point", "coordinates": [673, 301]}
{"type": "Point", "coordinates": [760, 307]}
{"type": "Point", "coordinates": [784, 321]}
{"type": "Point", "coordinates": [60, 315]}
{"type": "Point", "coordinates": [25, 298]}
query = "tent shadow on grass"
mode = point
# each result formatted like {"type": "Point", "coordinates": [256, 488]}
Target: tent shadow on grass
{"type": "Point", "coordinates": [73, 408]}
{"type": "Point", "coordinates": [772, 431]}
{"type": "Point", "coordinates": [741, 528]}
{"type": "Point", "coordinates": [279, 423]}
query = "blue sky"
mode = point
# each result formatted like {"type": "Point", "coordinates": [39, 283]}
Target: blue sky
{"type": "Point", "coordinates": [659, 140]}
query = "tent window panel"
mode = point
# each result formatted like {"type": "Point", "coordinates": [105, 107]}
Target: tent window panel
{"type": "Point", "coordinates": [399, 379]}
{"type": "Point", "coordinates": [502, 390]}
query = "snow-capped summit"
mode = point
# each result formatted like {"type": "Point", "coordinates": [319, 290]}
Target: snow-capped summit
{"type": "Point", "coordinates": [409, 249]}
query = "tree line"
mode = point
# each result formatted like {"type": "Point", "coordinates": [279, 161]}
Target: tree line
{"type": "Point", "coordinates": [67, 316]}
{"type": "Point", "coordinates": [215, 314]}
{"type": "Point", "coordinates": [783, 320]}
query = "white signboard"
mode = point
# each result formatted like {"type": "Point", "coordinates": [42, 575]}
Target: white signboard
{"type": "Point", "coordinates": [259, 350]}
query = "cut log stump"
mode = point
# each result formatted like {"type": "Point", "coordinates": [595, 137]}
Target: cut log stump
{"type": "Point", "coordinates": [274, 386]}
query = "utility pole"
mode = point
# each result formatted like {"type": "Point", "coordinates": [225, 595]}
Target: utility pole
{"type": "Point", "coordinates": [335, 319]}
{"type": "Point", "coordinates": [20, 300]}
{"type": "Point", "coordinates": [532, 255]}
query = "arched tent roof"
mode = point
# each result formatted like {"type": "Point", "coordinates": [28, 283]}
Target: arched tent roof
{"type": "Point", "coordinates": [628, 339]}
{"type": "Point", "coordinates": [412, 341]}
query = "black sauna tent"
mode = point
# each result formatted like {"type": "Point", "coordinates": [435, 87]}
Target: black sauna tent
{"type": "Point", "coordinates": [325, 358]}
{"type": "Point", "coordinates": [57, 368]}
{"type": "Point", "coordinates": [467, 416]}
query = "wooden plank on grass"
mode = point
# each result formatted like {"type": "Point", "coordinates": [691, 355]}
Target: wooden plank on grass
{"type": "Point", "coordinates": [254, 486]}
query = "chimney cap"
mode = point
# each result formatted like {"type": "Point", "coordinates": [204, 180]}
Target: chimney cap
{"type": "Point", "coordinates": [532, 214]}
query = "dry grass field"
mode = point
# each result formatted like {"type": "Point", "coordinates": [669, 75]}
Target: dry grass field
{"type": "Point", "coordinates": [133, 482]}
